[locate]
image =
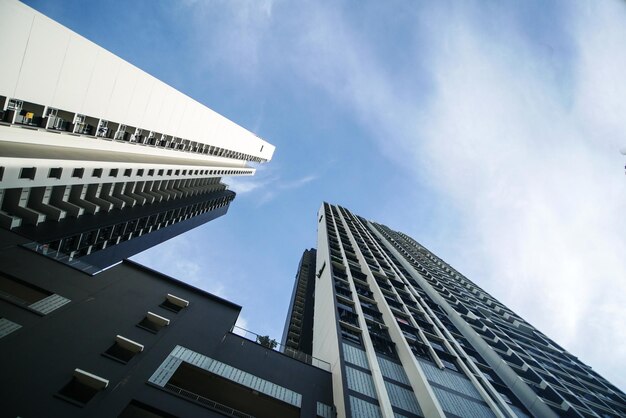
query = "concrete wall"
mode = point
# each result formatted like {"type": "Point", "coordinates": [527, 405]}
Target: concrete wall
{"type": "Point", "coordinates": [45, 63]}
{"type": "Point", "coordinates": [40, 357]}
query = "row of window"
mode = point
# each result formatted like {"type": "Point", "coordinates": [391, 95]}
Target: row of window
{"type": "Point", "coordinates": [86, 243]}
{"type": "Point", "coordinates": [29, 173]}
{"type": "Point", "coordinates": [84, 386]}
{"type": "Point", "coordinates": [404, 245]}
{"type": "Point", "coordinates": [31, 114]}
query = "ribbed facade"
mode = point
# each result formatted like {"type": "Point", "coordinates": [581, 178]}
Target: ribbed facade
{"type": "Point", "coordinates": [96, 154]}
{"type": "Point", "coordinates": [298, 332]}
{"type": "Point", "coordinates": [412, 337]}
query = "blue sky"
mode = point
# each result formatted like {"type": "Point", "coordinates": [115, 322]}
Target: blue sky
{"type": "Point", "coordinates": [488, 131]}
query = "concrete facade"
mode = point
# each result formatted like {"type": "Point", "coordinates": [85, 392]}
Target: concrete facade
{"type": "Point", "coordinates": [298, 332]}
{"type": "Point", "coordinates": [82, 317]}
{"type": "Point", "coordinates": [88, 141]}
{"type": "Point", "coordinates": [409, 336]}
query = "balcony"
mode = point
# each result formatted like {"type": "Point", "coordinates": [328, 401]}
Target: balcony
{"type": "Point", "coordinates": [276, 346]}
{"type": "Point", "coordinates": [348, 317]}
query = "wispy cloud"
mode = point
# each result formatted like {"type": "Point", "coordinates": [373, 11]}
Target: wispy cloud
{"type": "Point", "coordinates": [237, 31]}
{"type": "Point", "coordinates": [521, 138]}
{"type": "Point", "coordinates": [177, 257]}
{"type": "Point", "coordinates": [513, 121]}
{"type": "Point", "coordinates": [267, 183]}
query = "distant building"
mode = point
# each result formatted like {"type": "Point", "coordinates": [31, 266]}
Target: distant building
{"type": "Point", "coordinates": [132, 342]}
{"type": "Point", "coordinates": [409, 336]}
{"type": "Point", "coordinates": [98, 159]}
{"type": "Point", "coordinates": [298, 333]}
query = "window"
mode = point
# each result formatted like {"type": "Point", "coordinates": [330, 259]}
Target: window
{"type": "Point", "coordinates": [488, 377]}
{"type": "Point", "coordinates": [151, 172]}
{"type": "Point", "coordinates": [420, 349]}
{"type": "Point", "coordinates": [28, 173]}
{"type": "Point", "coordinates": [97, 172]}
{"type": "Point", "coordinates": [351, 336]}
{"type": "Point", "coordinates": [438, 346]}
{"type": "Point", "coordinates": [174, 303]}
{"type": "Point", "coordinates": [123, 350]}
{"type": "Point", "coordinates": [21, 292]}
{"type": "Point", "coordinates": [25, 294]}
{"type": "Point", "coordinates": [136, 409]}
{"type": "Point", "coordinates": [82, 388]}
{"type": "Point", "coordinates": [55, 173]}
{"type": "Point", "coordinates": [78, 173]}
{"type": "Point", "coordinates": [7, 327]}
{"type": "Point", "coordinates": [505, 398]}
{"type": "Point", "coordinates": [161, 172]}
{"type": "Point", "coordinates": [114, 172]}
{"type": "Point", "coordinates": [450, 365]}
{"type": "Point", "coordinates": [140, 172]}
{"type": "Point", "coordinates": [128, 172]}
{"type": "Point", "coordinates": [153, 322]}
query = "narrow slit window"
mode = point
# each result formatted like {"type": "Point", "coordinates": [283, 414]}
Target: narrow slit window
{"type": "Point", "coordinates": [153, 322]}
{"type": "Point", "coordinates": [28, 173]}
{"type": "Point", "coordinates": [123, 349]}
{"type": "Point", "coordinates": [83, 387]}
{"type": "Point", "coordinates": [174, 303]}
{"type": "Point", "coordinates": [55, 173]}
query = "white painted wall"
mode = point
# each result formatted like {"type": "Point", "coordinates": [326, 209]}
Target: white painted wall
{"type": "Point", "coordinates": [325, 339]}
{"type": "Point", "coordinates": [46, 63]}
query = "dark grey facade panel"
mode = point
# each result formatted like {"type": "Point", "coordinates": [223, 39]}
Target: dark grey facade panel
{"type": "Point", "coordinates": [298, 330]}
{"type": "Point", "coordinates": [42, 356]}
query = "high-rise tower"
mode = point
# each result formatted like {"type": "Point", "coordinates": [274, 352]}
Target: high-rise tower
{"type": "Point", "coordinates": [409, 336]}
{"type": "Point", "coordinates": [298, 333]}
{"type": "Point", "coordinates": [98, 159]}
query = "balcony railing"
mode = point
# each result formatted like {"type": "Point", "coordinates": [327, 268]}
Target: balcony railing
{"type": "Point", "coordinates": [226, 410]}
{"type": "Point", "coordinates": [288, 351]}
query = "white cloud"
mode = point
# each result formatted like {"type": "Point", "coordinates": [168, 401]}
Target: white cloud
{"type": "Point", "coordinates": [267, 182]}
{"type": "Point", "coordinates": [537, 180]}
{"type": "Point", "coordinates": [230, 32]}
{"type": "Point", "coordinates": [242, 322]}
{"type": "Point", "coordinates": [528, 158]}
{"type": "Point", "coordinates": [519, 137]}
{"type": "Point", "coordinates": [177, 257]}
{"type": "Point", "coordinates": [243, 185]}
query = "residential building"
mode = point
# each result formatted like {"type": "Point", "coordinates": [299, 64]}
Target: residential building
{"type": "Point", "coordinates": [98, 159]}
{"type": "Point", "coordinates": [407, 335]}
{"type": "Point", "coordinates": [298, 333]}
{"type": "Point", "coordinates": [132, 342]}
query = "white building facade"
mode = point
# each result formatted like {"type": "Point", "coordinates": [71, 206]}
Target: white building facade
{"type": "Point", "coordinates": [83, 132]}
{"type": "Point", "coordinates": [409, 336]}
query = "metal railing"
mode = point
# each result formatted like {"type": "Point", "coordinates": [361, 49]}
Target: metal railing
{"type": "Point", "coordinates": [276, 346]}
{"type": "Point", "coordinates": [206, 402]}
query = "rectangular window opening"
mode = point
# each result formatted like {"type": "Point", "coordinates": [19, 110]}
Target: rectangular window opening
{"type": "Point", "coordinates": [153, 322]}
{"type": "Point", "coordinates": [21, 292]}
{"type": "Point", "coordinates": [82, 388]}
{"type": "Point", "coordinates": [28, 173]}
{"type": "Point", "coordinates": [123, 349]}
{"type": "Point", "coordinates": [55, 173]}
{"type": "Point", "coordinates": [136, 409]}
{"type": "Point", "coordinates": [174, 303]}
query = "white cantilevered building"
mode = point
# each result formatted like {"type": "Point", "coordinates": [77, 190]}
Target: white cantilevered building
{"type": "Point", "coordinates": [96, 154]}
